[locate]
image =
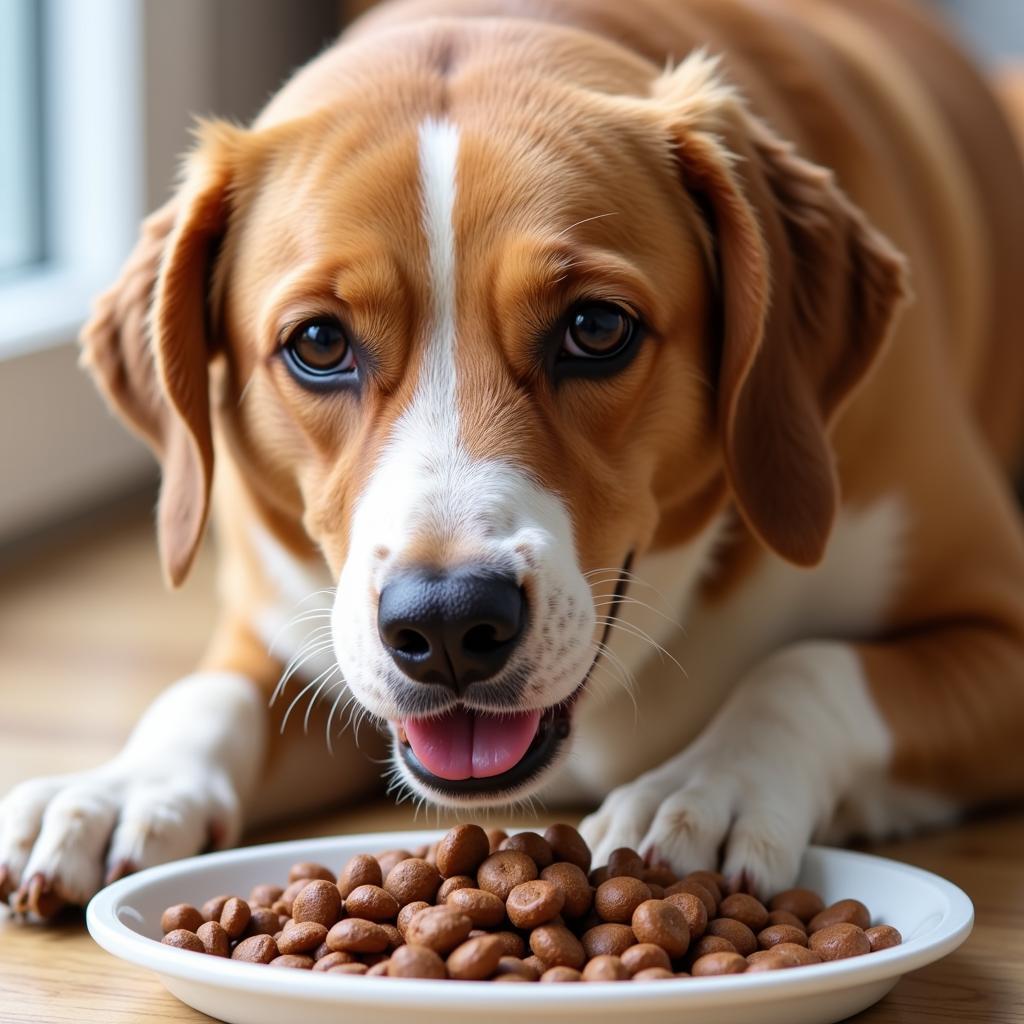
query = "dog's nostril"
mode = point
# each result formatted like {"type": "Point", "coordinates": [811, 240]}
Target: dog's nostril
{"type": "Point", "coordinates": [408, 641]}
{"type": "Point", "coordinates": [481, 639]}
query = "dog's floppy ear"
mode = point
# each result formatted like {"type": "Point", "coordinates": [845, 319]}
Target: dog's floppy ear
{"type": "Point", "coordinates": [807, 294]}
{"type": "Point", "coordinates": [147, 343]}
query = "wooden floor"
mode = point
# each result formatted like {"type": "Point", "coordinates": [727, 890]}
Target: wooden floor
{"type": "Point", "coordinates": [87, 636]}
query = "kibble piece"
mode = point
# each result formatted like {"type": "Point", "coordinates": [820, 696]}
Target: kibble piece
{"type": "Point", "coordinates": [412, 880]}
{"type": "Point", "coordinates": [625, 861]}
{"type": "Point", "coordinates": [182, 938]}
{"type": "Point", "coordinates": [736, 932]}
{"type": "Point", "coordinates": [357, 935]}
{"type": "Point", "coordinates": [362, 869]}
{"type": "Point", "coordinates": [605, 968]}
{"type": "Point", "coordinates": [659, 874]}
{"type": "Point", "coordinates": [484, 909]}
{"type": "Point", "coordinates": [776, 933]}
{"type": "Point", "coordinates": [556, 946]}
{"type": "Point", "coordinates": [450, 885]}
{"type": "Point", "coordinates": [235, 916]}
{"type": "Point", "coordinates": [378, 970]}
{"type": "Point", "coordinates": [693, 910]}
{"type": "Point", "coordinates": [371, 902]}
{"type": "Point", "coordinates": [513, 965]}
{"type": "Point", "coordinates": [301, 937]}
{"type": "Point", "coordinates": [462, 850]}
{"type": "Point", "coordinates": [319, 901]}
{"type": "Point", "coordinates": [801, 954]}
{"type": "Point", "coordinates": [475, 959]}
{"type": "Point", "coordinates": [841, 912]}
{"type": "Point", "coordinates": [495, 837]}
{"type": "Point", "coordinates": [531, 904]}
{"type": "Point", "coordinates": [567, 844]}
{"type": "Point", "coordinates": [303, 963]}
{"type": "Point", "coordinates": [653, 974]}
{"type": "Point", "coordinates": [262, 921]}
{"type": "Point", "coordinates": [718, 963]}
{"type": "Point", "coordinates": [438, 928]}
{"type": "Point", "coordinates": [662, 924]}
{"type": "Point", "coordinates": [258, 949]}
{"type": "Point", "coordinates": [408, 912]}
{"type": "Point", "coordinates": [536, 847]}
{"type": "Point", "coordinates": [559, 974]}
{"type": "Point", "coordinates": [513, 944]}
{"type": "Point", "coordinates": [310, 869]}
{"type": "Point", "coordinates": [644, 955]}
{"type": "Point", "coordinates": [616, 899]}
{"type": "Point", "coordinates": [503, 871]}
{"type": "Point", "coordinates": [181, 915]}
{"type": "Point", "coordinates": [264, 895]}
{"type": "Point", "coordinates": [883, 936]}
{"type": "Point", "coordinates": [215, 940]}
{"type": "Point", "coordinates": [389, 858]}
{"type": "Point", "coordinates": [608, 940]}
{"type": "Point", "coordinates": [786, 917]}
{"type": "Point", "coordinates": [336, 959]}
{"type": "Point", "coordinates": [746, 909]}
{"type": "Point", "coordinates": [657, 891]}
{"type": "Point", "coordinates": [412, 961]}
{"type": "Point", "coordinates": [711, 944]}
{"type": "Point", "coordinates": [352, 969]}
{"type": "Point", "coordinates": [213, 907]}
{"type": "Point", "coordinates": [801, 903]}
{"type": "Point", "coordinates": [598, 875]}
{"type": "Point", "coordinates": [702, 892]}
{"type": "Point", "coordinates": [395, 937]}
{"type": "Point", "coordinates": [773, 959]}
{"type": "Point", "coordinates": [713, 880]}
{"type": "Point", "coordinates": [571, 879]}
{"type": "Point", "coordinates": [518, 979]}
{"type": "Point", "coordinates": [839, 941]}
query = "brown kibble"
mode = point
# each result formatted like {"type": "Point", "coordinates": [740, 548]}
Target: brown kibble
{"type": "Point", "coordinates": [262, 921]}
{"type": "Point", "coordinates": [408, 912]}
{"type": "Point", "coordinates": [450, 885]}
{"type": "Point", "coordinates": [508, 976]}
{"type": "Point", "coordinates": [212, 908]}
{"type": "Point", "coordinates": [325, 963]}
{"type": "Point", "coordinates": [556, 946]}
{"type": "Point", "coordinates": [234, 918]}
{"type": "Point", "coordinates": [357, 969]}
{"type": "Point", "coordinates": [626, 862]}
{"type": "Point", "coordinates": [303, 963]}
{"type": "Point", "coordinates": [301, 937]}
{"type": "Point", "coordinates": [362, 869]}
{"type": "Point", "coordinates": [712, 880]}
{"type": "Point", "coordinates": [320, 901]}
{"type": "Point", "coordinates": [801, 954]}
{"type": "Point", "coordinates": [215, 940]}
{"type": "Point", "coordinates": [182, 938]}
{"type": "Point", "coordinates": [395, 937]}
{"type": "Point", "coordinates": [702, 892]}
{"type": "Point", "coordinates": [484, 909]}
{"type": "Point", "coordinates": [503, 871]}
{"type": "Point", "coordinates": [258, 949]}
{"type": "Point", "coordinates": [438, 928]}
{"type": "Point", "coordinates": [774, 959]}
{"type": "Point", "coordinates": [534, 903]}
{"type": "Point", "coordinates": [475, 959]}
{"type": "Point", "coordinates": [462, 850]}
{"type": "Point", "coordinates": [841, 912]}
{"type": "Point", "coordinates": [536, 847]}
{"type": "Point", "coordinates": [711, 944]}
{"type": "Point", "coordinates": [786, 917]}
{"type": "Point", "coordinates": [389, 858]}
{"type": "Point", "coordinates": [513, 965]}
{"type": "Point", "coordinates": [662, 924]}
{"type": "Point", "coordinates": [598, 875]}
{"type": "Point", "coordinates": [265, 895]}
{"type": "Point", "coordinates": [616, 899]}
{"type": "Point", "coordinates": [181, 915]}
{"type": "Point", "coordinates": [412, 880]}
{"type": "Point", "coordinates": [377, 970]}
{"type": "Point", "coordinates": [801, 903]}
{"type": "Point", "coordinates": [839, 941]}
{"type": "Point", "coordinates": [653, 974]}
{"type": "Point", "coordinates": [357, 935]}
{"type": "Point", "coordinates": [495, 837]}
{"type": "Point", "coordinates": [513, 944]}
{"type": "Point", "coordinates": [321, 951]}
{"type": "Point", "coordinates": [883, 936]}
{"type": "Point", "coordinates": [657, 891]}
{"type": "Point", "coordinates": [567, 844]}
{"type": "Point", "coordinates": [745, 909]}
{"type": "Point", "coordinates": [718, 963]}
{"type": "Point", "coordinates": [776, 933]}
{"type": "Point", "coordinates": [659, 874]}
{"type": "Point", "coordinates": [559, 974]}
{"type": "Point", "coordinates": [693, 910]}
{"type": "Point", "coordinates": [605, 968]}
{"type": "Point", "coordinates": [371, 902]}
{"type": "Point", "coordinates": [413, 961]}
{"type": "Point", "coordinates": [282, 908]}
{"type": "Point", "coordinates": [736, 932]}
{"type": "Point", "coordinates": [643, 956]}
{"type": "Point", "coordinates": [608, 940]}
{"type": "Point", "coordinates": [571, 879]}
{"type": "Point", "coordinates": [311, 870]}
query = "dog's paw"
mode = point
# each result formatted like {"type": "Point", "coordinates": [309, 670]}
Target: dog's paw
{"type": "Point", "coordinates": [61, 838]}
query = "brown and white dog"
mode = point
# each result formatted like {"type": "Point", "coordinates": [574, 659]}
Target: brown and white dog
{"type": "Point", "coordinates": [572, 415]}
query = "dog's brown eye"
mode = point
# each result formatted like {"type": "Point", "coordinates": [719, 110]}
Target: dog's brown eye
{"type": "Point", "coordinates": [319, 348]}
{"type": "Point", "coordinates": [598, 330]}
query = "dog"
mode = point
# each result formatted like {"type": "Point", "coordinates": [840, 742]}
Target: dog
{"type": "Point", "coordinates": [616, 403]}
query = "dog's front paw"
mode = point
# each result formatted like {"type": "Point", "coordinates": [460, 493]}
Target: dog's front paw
{"type": "Point", "coordinates": [61, 838]}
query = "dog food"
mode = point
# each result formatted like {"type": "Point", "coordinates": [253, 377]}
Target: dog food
{"type": "Point", "coordinates": [480, 906]}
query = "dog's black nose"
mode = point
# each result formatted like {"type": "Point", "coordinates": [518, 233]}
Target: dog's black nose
{"type": "Point", "coordinates": [452, 628]}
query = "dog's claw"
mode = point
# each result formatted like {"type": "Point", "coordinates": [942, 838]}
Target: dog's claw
{"type": "Point", "coordinates": [6, 883]}
{"type": "Point", "coordinates": [121, 869]}
{"type": "Point", "coordinates": [38, 897]}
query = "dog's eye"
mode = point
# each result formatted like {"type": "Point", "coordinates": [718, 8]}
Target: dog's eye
{"type": "Point", "coordinates": [598, 330]}
{"type": "Point", "coordinates": [319, 349]}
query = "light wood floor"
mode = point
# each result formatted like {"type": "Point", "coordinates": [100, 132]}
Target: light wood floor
{"type": "Point", "coordinates": [88, 636]}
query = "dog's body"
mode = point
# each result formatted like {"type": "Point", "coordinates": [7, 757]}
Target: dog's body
{"type": "Point", "coordinates": [853, 655]}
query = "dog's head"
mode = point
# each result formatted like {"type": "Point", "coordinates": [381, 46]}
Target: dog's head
{"type": "Point", "coordinates": [489, 334]}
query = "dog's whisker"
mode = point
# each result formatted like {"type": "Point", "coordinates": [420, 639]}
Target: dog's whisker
{"type": "Point", "coordinates": [328, 673]}
{"type": "Point", "coordinates": [341, 685]}
{"type": "Point", "coordinates": [295, 700]}
{"type": "Point", "coordinates": [626, 599]}
{"type": "Point", "coordinates": [636, 631]}
{"type": "Point", "coordinates": [295, 664]}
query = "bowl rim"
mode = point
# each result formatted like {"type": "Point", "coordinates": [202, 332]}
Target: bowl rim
{"type": "Point", "coordinates": [117, 938]}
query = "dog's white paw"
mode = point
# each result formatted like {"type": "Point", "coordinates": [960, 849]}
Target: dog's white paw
{"type": "Point", "coordinates": [61, 838]}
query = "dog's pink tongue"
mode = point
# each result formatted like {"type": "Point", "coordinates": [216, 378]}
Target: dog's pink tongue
{"type": "Point", "coordinates": [469, 744]}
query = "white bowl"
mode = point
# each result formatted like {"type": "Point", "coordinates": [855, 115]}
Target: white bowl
{"type": "Point", "coordinates": [933, 915]}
